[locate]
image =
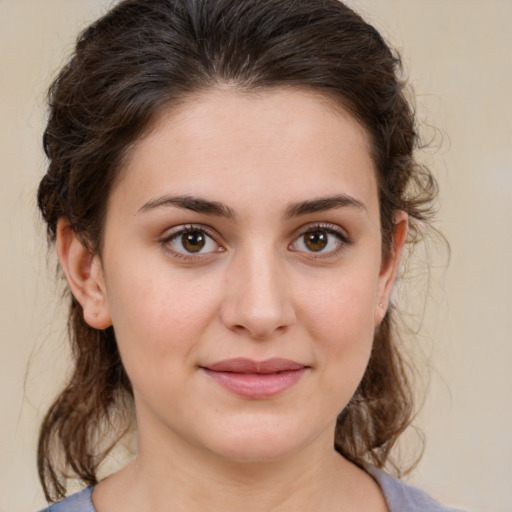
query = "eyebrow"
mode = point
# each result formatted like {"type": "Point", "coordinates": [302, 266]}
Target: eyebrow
{"type": "Point", "coordinates": [207, 207]}
{"type": "Point", "coordinates": [195, 204]}
{"type": "Point", "coordinates": [324, 203]}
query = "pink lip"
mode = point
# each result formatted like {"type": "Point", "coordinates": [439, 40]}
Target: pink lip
{"type": "Point", "coordinates": [256, 379]}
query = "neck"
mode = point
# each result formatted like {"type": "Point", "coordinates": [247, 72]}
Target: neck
{"type": "Point", "coordinates": [175, 476]}
{"type": "Point", "coordinates": [285, 484]}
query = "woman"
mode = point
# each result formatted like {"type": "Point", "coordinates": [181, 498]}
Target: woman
{"type": "Point", "coordinates": [230, 187]}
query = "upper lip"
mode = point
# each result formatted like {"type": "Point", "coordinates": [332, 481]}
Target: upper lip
{"type": "Point", "coordinates": [243, 365]}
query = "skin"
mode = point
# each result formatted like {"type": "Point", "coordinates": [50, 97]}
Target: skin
{"type": "Point", "coordinates": [255, 290]}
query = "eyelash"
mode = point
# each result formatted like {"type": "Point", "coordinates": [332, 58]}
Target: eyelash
{"type": "Point", "coordinates": [343, 241]}
{"type": "Point", "coordinates": [183, 230]}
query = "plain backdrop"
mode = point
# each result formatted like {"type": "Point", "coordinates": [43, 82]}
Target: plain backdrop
{"type": "Point", "coordinates": [458, 54]}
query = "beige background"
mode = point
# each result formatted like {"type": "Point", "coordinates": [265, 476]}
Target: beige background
{"type": "Point", "coordinates": [459, 57]}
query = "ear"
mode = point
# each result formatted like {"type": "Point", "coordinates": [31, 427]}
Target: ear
{"type": "Point", "coordinates": [389, 267]}
{"type": "Point", "coordinates": [84, 274]}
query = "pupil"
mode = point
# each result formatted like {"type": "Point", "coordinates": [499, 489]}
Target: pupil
{"type": "Point", "coordinates": [316, 241]}
{"type": "Point", "coordinates": [193, 242]}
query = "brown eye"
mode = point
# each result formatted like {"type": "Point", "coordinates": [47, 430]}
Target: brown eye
{"type": "Point", "coordinates": [321, 240]}
{"type": "Point", "coordinates": [193, 241]}
{"type": "Point", "coordinates": [316, 241]}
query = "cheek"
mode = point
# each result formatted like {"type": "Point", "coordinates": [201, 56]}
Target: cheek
{"type": "Point", "coordinates": [160, 315]}
{"type": "Point", "coordinates": [341, 321]}
{"type": "Point", "coordinates": [340, 307]}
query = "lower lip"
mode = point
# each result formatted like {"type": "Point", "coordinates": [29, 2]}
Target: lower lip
{"type": "Point", "coordinates": [257, 385]}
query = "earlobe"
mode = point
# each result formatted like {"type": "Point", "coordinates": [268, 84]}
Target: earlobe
{"type": "Point", "coordinates": [84, 275]}
{"type": "Point", "coordinates": [389, 268]}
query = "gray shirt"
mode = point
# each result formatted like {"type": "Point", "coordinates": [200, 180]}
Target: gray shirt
{"type": "Point", "coordinates": [400, 497]}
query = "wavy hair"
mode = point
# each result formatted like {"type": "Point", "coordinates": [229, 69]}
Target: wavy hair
{"type": "Point", "coordinates": [145, 55]}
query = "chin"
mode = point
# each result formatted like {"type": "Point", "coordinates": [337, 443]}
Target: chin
{"type": "Point", "coordinates": [258, 443]}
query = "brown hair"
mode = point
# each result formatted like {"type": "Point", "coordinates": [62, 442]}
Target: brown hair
{"type": "Point", "coordinates": [146, 54]}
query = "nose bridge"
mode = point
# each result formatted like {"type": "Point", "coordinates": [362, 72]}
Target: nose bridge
{"type": "Point", "coordinates": [257, 298]}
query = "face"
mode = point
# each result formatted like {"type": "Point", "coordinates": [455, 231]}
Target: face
{"type": "Point", "coordinates": [242, 272]}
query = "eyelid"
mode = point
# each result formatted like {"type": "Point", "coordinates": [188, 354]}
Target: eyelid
{"type": "Point", "coordinates": [332, 229]}
{"type": "Point", "coordinates": [184, 228]}
{"type": "Point", "coordinates": [177, 231]}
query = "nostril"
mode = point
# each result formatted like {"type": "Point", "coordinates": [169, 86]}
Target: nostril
{"type": "Point", "coordinates": [255, 304]}
{"type": "Point", "coordinates": [259, 332]}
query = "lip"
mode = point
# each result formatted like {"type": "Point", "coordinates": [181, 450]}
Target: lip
{"type": "Point", "coordinates": [256, 379]}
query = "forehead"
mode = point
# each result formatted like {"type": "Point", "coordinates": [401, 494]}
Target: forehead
{"type": "Point", "coordinates": [287, 143]}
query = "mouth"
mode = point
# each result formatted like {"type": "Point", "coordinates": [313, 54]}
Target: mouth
{"type": "Point", "coordinates": [256, 379]}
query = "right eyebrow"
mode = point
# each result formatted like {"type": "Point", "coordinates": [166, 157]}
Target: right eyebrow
{"type": "Point", "coordinates": [195, 204]}
{"type": "Point", "coordinates": [324, 203]}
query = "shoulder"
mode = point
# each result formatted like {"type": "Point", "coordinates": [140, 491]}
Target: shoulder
{"type": "Point", "coordinates": [400, 496]}
{"type": "Point", "coordinates": [79, 502]}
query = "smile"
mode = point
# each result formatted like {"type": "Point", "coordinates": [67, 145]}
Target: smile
{"type": "Point", "coordinates": [256, 379]}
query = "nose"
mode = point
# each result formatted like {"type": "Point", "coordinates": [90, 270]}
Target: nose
{"type": "Point", "coordinates": [257, 299]}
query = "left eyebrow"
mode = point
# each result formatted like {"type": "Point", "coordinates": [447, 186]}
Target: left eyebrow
{"type": "Point", "coordinates": [324, 203]}
{"type": "Point", "coordinates": [195, 204]}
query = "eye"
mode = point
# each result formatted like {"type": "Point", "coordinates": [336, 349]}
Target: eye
{"type": "Point", "coordinates": [320, 240]}
{"type": "Point", "coordinates": [191, 241]}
